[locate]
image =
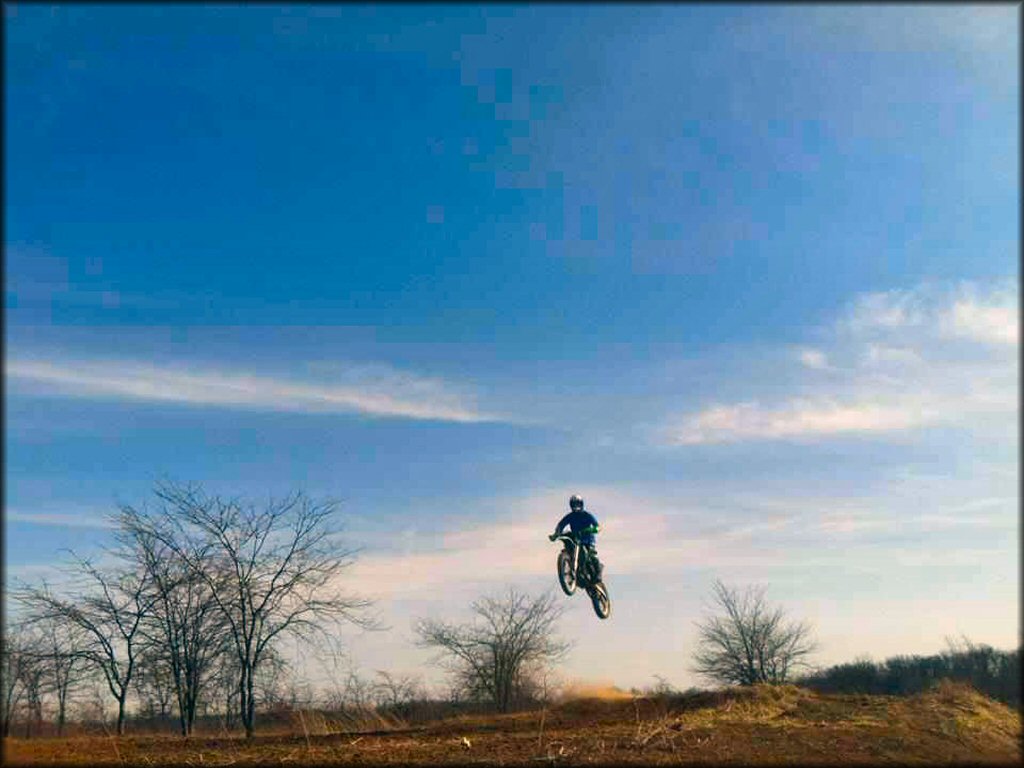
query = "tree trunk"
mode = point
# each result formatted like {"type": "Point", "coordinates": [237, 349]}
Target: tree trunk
{"type": "Point", "coordinates": [244, 695]}
{"type": "Point", "coordinates": [120, 715]}
{"type": "Point", "coordinates": [250, 707]}
{"type": "Point", "coordinates": [191, 705]}
{"type": "Point", "coordinates": [62, 706]}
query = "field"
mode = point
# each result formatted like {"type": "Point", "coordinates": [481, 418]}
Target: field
{"type": "Point", "coordinates": [950, 724]}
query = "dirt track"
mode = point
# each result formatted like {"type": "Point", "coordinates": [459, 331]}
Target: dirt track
{"type": "Point", "coordinates": [951, 725]}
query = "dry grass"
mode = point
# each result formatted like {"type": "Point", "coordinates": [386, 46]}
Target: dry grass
{"type": "Point", "coordinates": [951, 724]}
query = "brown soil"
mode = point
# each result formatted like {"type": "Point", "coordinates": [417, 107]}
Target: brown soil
{"type": "Point", "coordinates": [952, 724]}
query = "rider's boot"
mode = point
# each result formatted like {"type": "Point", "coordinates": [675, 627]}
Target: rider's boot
{"type": "Point", "coordinates": [598, 566]}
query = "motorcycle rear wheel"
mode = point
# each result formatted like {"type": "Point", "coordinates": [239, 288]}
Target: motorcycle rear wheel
{"type": "Point", "coordinates": [566, 578]}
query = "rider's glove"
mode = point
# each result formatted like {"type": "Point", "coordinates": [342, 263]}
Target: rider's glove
{"type": "Point", "coordinates": [552, 537]}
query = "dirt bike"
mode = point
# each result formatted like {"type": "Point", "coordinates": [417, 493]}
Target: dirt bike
{"type": "Point", "coordinates": [575, 568]}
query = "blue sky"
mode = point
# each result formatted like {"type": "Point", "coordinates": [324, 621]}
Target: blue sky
{"type": "Point", "coordinates": [744, 277]}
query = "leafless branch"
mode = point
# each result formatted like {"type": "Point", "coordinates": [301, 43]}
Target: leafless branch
{"type": "Point", "coordinates": [492, 656]}
{"type": "Point", "coordinates": [749, 641]}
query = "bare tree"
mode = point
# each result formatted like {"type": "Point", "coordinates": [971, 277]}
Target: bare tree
{"type": "Point", "coordinates": [223, 687]}
{"type": "Point", "coordinates": [396, 692]}
{"type": "Point", "coordinates": [34, 679]}
{"type": "Point", "coordinates": [298, 693]}
{"type": "Point", "coordinates": [491, 657]}
{"type": "Point", "coordinates": [12, 688]}
{"type": "Point", "coordinates": [357, 691]}
{"type": "Point", "coordinates": [271, 570]}
{"type": "Point", "coordinates": [108, 612]}
{"type": "Point", "coordinates": [750, 642]}
{"type": "Point", "coordinates": [59, 647]}
{"type": "Point", "coordinates": [92, 708]}
{"type": "Point", "coordinates": [271, 680]}
{"type": "Point", "coordinates": [154, 682]}
{"type": "Point", "coordinates": [185, 628]}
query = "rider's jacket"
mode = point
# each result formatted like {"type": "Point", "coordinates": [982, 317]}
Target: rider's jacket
{"type": "Point", "coordinates": [577, 520]}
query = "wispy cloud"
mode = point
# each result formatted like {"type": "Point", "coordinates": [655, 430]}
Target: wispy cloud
{"type": "Point", "coordinates": [388, 393]}
{"type": "Point", "coordinates": [977, 28]}
{"type": "Point", "coordinates": [751, 421]}
{"type": "Point", "coordinates": [884, 309]}
{"type": "Point", "coordinates": [62, 519]}
{"type": "Point", "coordinates": [654, 535]}
{"type": "Point", "coordinates": [893, 361]}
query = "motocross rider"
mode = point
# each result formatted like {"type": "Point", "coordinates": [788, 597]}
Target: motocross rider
{"type": "Point", "coordinates": [583, 525]}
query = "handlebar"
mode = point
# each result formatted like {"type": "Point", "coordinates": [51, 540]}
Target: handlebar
{"type": "Point", "coordinates": [572, 536]}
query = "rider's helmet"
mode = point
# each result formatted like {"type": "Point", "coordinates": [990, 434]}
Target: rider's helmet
{"type": "Point", "coordinates": [575, 502]}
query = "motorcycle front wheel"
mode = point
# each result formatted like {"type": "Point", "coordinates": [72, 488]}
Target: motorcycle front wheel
{"type": "Point", "coordinates": [566, 578]}
{"type": "Point", "coordinates": [602, 603]}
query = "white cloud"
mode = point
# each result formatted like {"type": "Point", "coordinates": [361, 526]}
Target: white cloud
{"type": "Point", "coordinates": [984, 322]}
{"type": "Point", "coordinates": [814, 358]}
{"type": "Point", "coordinates": [884, 309]}
{"type": "Point", "coordinates": [662, 546]}
{"type": "Point", "coordinates": [801, 418]}
{"type": "Point", "coordinates": [63, 519]}
{"type": "Point", "coordinates": [749, 536]}
{"type": "Point", "coordinates": [910, 359]}
{"type": "Point", "coordinates": [386, 393]}
{"type": "Point", "coordinates": [36, 573]}
{"type": "Point", "coordinates": [515, 546]}
{"type": "Point", "coordinates": [881, 354]}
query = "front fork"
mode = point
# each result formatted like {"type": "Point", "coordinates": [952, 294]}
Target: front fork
{"type": "Point", "coordinates": [575, 559]}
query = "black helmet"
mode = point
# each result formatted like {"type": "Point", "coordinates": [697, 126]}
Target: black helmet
{"type": "Point", "coordinates": [575, 502]}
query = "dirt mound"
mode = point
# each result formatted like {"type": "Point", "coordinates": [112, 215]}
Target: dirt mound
{"type": "Point", "coordinates": [607, 702]}
{"type": "Point", "coordinates": [950, 723]}
{"type": "Point", "coordinates": [957, 709]}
